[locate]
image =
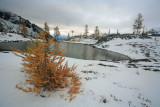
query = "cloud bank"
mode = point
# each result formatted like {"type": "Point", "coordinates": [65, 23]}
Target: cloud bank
{"type": "Point", "coordinates": [74, 14]}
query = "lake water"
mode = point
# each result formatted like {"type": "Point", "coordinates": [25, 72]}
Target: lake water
{"type": "Point", "coordinates": [73, 50]}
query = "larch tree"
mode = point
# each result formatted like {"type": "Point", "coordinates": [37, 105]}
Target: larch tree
{"type": "Point", "coordinates": [24, 30]}
{"type": "Point", "coordinates": [68, 36]}
{"type": "Point", "coordinates": [86, 30]}
{"type": "Point", "coordinates": [96, 32]}
{"type": "Point", "coordinates": [138, 24]}
{"type": "Point", "coordinates": [72, 31]}
{"type": "Point", "coordinates": [144, 31]}
{"type": "Point", "coordinates": [109, 32]}
{"type": "Point", "coordinates": [117, 32]}
{"type": "Point", "coordinates": [56, 32]}
{"type": "Point", "coordinates": [44, 71]}
{"type": "Point", "coordinates": [46, 27]}
{"type": "Point", "coordinates": [80, 36]}
{"type": "Point", "coordinates": [19, 28]}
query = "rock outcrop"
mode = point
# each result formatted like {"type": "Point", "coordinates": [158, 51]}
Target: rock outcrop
{"type": "Point", "coordinates": [9, 23]}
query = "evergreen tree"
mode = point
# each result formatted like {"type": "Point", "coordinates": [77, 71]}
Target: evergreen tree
{"type": "Point", "coordinates": [96, 32]}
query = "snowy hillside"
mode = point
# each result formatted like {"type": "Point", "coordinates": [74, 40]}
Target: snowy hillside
{"type": "Point", "coordinates": [12, 37]}
{"type": "Point", "coordinates": [154, 31]}
{"type": "Point", "coordinates": [9, 22]}
{"type": "Point", "coordinates": [136, 48]}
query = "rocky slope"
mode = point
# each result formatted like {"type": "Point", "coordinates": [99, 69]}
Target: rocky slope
{"type": "Point", "coordinates": [9, 23]}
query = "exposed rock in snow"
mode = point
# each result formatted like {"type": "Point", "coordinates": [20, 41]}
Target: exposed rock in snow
{"type": "Point", "coordinates": [9, 22]}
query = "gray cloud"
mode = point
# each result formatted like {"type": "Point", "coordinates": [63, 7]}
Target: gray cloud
{"type": "Point", "coordinates": [74, 14]}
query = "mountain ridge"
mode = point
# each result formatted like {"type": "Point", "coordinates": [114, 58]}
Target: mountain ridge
{"type": "Point", "coordinates": [9, 23]}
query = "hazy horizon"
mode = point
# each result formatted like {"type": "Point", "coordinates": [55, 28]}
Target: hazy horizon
{"type": "Point", "coordinates": [75, 14]}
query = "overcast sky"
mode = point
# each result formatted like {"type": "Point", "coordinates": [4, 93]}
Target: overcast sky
{"type": "Point", "coordinates": [74, 14]}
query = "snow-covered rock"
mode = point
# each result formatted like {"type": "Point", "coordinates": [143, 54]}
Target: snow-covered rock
{"type": "Point", "coordinates": [9, 22]}
{"type": "Point", "coordinates": [154, 31]}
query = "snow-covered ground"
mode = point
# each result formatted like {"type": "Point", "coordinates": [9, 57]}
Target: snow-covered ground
{"type": "Point", "coordinates": [12, 37]}
{"type": "Point", "coordinates": [112, 84]}
{"type": "Point", "coordinates": [134, 48]}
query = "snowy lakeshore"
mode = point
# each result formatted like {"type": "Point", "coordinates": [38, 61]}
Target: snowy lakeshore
{"type": "Point", "coordinates": [13, 37]}
{"type": "Point", "coordinates": [119, 84]}
{"type": "Point", "coordinates": [76, 53]}
{"type": "Point", "coordinates": [136, 48]}
{"type": "Point", "coordinates": [105, 83]}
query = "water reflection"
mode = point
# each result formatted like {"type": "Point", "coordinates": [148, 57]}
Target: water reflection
{"type": "Point", "coordinates": [87, 52]}
{"type": "Point", "coordinates": [73, 50]}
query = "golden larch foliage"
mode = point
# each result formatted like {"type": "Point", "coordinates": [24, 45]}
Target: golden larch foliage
{"type": "Point", "coordinates": [44, 70]}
